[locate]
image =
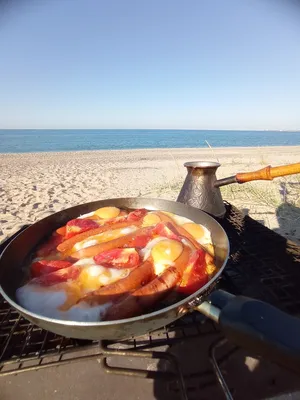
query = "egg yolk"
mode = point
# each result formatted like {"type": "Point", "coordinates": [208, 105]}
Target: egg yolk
{"type": "Point", "coordinates": [166, 250]}
{"type": "Point", "coordinates": [108, 212]}
{"type": "Point", "coordinates": [73, 294]}
{"type": "Point", "coordinates": [89, 278]}
{"type": "Point", "coordinates": [151, 219]}
{"type": "Point", "coordinates": [197, 231]}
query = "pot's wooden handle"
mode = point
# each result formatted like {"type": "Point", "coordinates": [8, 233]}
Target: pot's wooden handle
{"type": "Point", "coordinates": [268, 173]}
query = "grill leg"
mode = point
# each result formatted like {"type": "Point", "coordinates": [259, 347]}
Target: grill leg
{"type": "Point", "coordinates": [142, 373]}
{"type": "Point", "coordinates": [217, 370]}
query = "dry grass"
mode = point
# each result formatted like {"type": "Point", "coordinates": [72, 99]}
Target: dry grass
{"type": "Point", "coordinates": [275, 204]}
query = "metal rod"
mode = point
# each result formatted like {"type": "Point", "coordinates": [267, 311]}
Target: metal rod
{"type": "Point", "coordinates": [47, 365]}
{"type": "Point", "coordinates": [142, 373]}
{"type": "Point", "coordinates": [225, 181]}
{"type": "Point", "coordinates": [213, 360]}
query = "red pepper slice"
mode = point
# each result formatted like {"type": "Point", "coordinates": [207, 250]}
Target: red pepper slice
{"type": "Point", "coordinates": [50, 245]}
{"type": "Point", "coordinates": [79, 225]}
{"type": "Point", "coordinates": [118, 258]}
{"type": "Point", "coordinates": [62, 275]}
{"type": "Point", "coordinates": [194, 276]}
{"type": "Point", "coordinates": [43, 267]}
{"type": "Point", "coordinates": [136, 215]}
{"type": "Point", "coordinates": [167, 230]}
{"type": "Point", "coordinates": [141, 240]}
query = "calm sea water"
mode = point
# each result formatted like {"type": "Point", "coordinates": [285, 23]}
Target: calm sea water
{"type": "Point", "coordinates": [24, 141]}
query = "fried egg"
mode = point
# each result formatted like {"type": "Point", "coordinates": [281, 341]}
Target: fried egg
{"type": "Point", "coordinates": [177, 218]}
{"type": "Point", "coordinates": [62, 301]}
{"type": "Point", "coordinates": [107, 212]}
{"type": "Point", "coordinates": [49, 302]}
{"type": "Point", "coordinates": [103, 213]}
{"type": "Point", "coordinates": [166, 250]}
{"type": "Point", "coordinates": [146, 251]}
{"type": "Point", "coordinates": [94, 276]}
{"type": "Point", "coordinates": [199, 232]}
{"type": "Point", "coordinates": [163, 252]}
{"type": "Point", "coordinates": [151, 219]}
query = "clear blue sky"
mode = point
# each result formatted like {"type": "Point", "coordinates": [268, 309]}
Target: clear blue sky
{"type": "Point", "coordinates": [194, 64]}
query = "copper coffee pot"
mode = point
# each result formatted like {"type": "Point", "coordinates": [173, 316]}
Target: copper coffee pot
{"type": "Point", "coordinates": [201, 187]}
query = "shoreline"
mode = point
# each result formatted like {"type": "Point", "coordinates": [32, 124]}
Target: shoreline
{"type": "Point", "coordinates": [158, 149]}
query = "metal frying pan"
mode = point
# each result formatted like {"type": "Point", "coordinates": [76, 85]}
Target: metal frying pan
{"type": "Point", "coordinates": [249, 323]}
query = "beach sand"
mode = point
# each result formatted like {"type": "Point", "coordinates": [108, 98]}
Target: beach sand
{"type": "Point", "coordinates": [35, 185]}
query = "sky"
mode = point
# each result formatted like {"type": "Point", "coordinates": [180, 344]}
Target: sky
{"type": "Point", "coordinates": [160, 64]}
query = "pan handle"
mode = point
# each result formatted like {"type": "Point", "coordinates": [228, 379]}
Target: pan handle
{"type": "Point", "coordinates": [268, 173]}
{"type": "Point", "coordinates": [256, 326]}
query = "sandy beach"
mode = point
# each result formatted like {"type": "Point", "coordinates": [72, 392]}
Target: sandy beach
{"type": "Point", "coordinates": [35, 185]}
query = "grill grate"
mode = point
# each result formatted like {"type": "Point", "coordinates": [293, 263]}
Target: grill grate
{"type": "Point", "coordinates": [25, 346]}
{"type": "Point", "coordinates": [262, 264]}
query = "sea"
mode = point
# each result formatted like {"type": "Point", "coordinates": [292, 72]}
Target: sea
{"type": "Point", "coordinates": [41, 140]}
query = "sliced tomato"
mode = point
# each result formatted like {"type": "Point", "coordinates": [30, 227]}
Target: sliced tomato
{"type": "Point", "coordinates": [195, 275]}
{"type": "Point", "coordinates": [49, 246]}
{"type": "Point", "coordinates": [62, 275]}
{"type": "Point", "coordinates": [136, 215]}
{"type": "Point", "coordinates": [167, 230]}
{"type": "Point", "coordinates": [140, 241]}
{"type": "Point", "coordinates": [79, 225]}
{"type": "Point", "coordinates": [43, 267]}
{"type": "Point", "coordinates": [118, 258]}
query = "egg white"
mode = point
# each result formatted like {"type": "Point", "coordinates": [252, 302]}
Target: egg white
{"type": "Point", "coordinates": [146, 251]}
{"type": "Point", "coordinates": [83, 312]}
{"type": "Point", "coordinates": [162, 265]}
{"type": "Point", "coordinates": [46, 302]}
{"type": "Point", "coordinates": [180, 220]}
{"type": "Point", "coordinates": [90, 214]}
{"type": "Point", "coordinates": [206, 239]}
{"type": "Point", "coordinates": [95, 270]}
{"type": "Point", "coordinates": [104, 275]}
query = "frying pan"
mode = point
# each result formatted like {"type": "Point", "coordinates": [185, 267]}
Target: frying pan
{"type": "Point", "coordinates": [249, 323]}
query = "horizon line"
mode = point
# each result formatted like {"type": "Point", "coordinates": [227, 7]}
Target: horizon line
{"type": "Point", "coordinates": [158, 129]}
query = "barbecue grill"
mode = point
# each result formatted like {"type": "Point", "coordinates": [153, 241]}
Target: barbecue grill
{"type": "Point", "coordinates": [262, 265]}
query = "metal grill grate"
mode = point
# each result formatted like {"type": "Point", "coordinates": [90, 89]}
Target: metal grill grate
{"type": "Point", "coordinates": [262, 265]}
{"type": "Point", "coordinates": [25, 347]}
